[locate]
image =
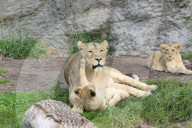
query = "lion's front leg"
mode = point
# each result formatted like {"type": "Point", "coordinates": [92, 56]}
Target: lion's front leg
{"type": "Point", "coordinates": [186, 70]}
{"type": "Point", "coordinates": [172, 69]}
{"type": "Point", "coordinates": [130, 90]}
{"type": "Point", "coordinates": [77, 105]}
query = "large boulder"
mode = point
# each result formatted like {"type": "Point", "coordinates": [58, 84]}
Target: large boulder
{"type": "Point", "coordinates": [135, 27]}
{"type": "Point", "coordinates": [54, 114]}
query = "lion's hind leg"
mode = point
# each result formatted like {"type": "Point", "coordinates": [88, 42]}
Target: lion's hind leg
{"type": "Point", "coordinates": [131, 90]}
{"type": "Point", "coordinates": [120, 78]}
{"type": "Point", "coordinates": [115, 95]}
{"type": "Point", "coordinates": [123, 79]}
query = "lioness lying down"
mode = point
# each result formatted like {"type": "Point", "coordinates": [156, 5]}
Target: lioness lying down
{"type": "Point", "coordinates": [99, 75]}
{"type": "Point", "coordinates": [168, 60]}
{"type": "Point", "coordinates": [97, 98]}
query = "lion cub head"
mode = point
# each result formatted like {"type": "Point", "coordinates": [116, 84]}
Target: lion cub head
{"type": "Point", "coordinates": [87, 95]}
{"type": "Point", "coordinates": [94, 54]}
{"type": "Point", "coordinates": [170, 51]}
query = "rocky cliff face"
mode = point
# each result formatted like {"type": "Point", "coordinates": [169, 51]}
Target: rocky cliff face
{"type": "Point", "coordinates": [137, 27]}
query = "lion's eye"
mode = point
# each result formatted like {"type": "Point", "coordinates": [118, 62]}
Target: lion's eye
{"type": "Point", "coordinates": [167, 50]}
{"type": "Point", "coordinates": [172, 49]}
{"type": "Point", "coordinates": [101, 50]}
{"type": "Point", "coordinates": [90, 51]}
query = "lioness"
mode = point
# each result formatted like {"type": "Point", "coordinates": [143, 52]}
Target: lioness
{"type": "Point", "coordinates": [96, 98]}
{"type": "Point", "coordinates": [168, 60]}
{"type": "Point", "coordinates": [98, 74]}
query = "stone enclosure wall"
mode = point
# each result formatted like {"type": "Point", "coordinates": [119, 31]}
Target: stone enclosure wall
{"type": "Point", "coordinates": [137, 27]}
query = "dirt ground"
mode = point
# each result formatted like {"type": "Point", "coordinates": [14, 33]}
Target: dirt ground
{"type": "Point", "coordinates": [36, 75]}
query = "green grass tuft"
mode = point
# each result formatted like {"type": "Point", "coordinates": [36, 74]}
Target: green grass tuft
{"type": "Point", "coordinates": [4, 81]}
{"type": "Point", "coordinates": [86, 38]}
{"type": "Point", "coordinates": [20, 47]}
{"type": "Point", "coordinates": [13, 106]}
{"type": "Point", "coordinates": [56, 93]}
{"type": "Point", "coordinates": [124, 114]}
{"type": "Point", "coordinates": [171, 102]}
{"type": "Point", "coordinates": [187, 56]}
{"type": "Point", "coordinates": [2, 72]}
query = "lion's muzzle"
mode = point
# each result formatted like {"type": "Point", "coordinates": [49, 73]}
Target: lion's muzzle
{"type": "Point", "coordinates": [97, 66]}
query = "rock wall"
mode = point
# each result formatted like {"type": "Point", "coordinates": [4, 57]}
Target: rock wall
{"type": "Point", "coordinates": [137, 27]}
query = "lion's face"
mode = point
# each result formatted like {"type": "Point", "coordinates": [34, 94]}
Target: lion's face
{"type": "Point", "coordinates": [170, 51]}
{"type": "Point", "coordinates": [86, 94]}
{"type": "Point", "coordinates": [94, 54]}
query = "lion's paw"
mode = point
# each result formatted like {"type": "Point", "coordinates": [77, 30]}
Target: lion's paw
{"type": "Point", "coordinates": [151, 88]}
{"type": "Point", "coordinates": [82, 61]}
{"type": "Point", "coordinates": [77, 109]}
{"type": "Point", "coordinates": [146, 94]}
{"type": "Point", "coordinates": [189, 72]}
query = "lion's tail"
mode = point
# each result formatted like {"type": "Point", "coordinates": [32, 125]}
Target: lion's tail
{"type": "Point", "coordinates": [133, 76]}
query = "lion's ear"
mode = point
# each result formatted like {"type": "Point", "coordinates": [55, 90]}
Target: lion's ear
{"type": "Point", "coordinates": [177, 46]}
{"type": "Point", "coordinates": [163, 46]}
{"type": "Point", "coordinates": [92, 93]}
{"type": "Point", "coordinates": [81, 45]}
{"type": "Point", "coordinates": [104, 44]}
{"type": "Point", "coordinates": [76, 91]}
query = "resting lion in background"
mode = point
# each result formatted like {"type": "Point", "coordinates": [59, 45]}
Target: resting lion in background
{"type": "Point", "coordinates": [168, 59]}
{"type": "Point", "coordinates": [99, 75]}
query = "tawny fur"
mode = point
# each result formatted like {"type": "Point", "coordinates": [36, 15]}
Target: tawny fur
{"type": "Point", "coordinates": [168, 59]}
{"type": "Point", "coordinates": [99, 75]}
{"type": "Point", "coordinates": [97, 98]}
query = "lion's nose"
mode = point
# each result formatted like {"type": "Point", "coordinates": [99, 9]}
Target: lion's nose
{"type": "Point", "coordinates": [98, 59]}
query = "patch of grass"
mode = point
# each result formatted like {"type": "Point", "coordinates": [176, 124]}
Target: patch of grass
{"type": "Point", "coordinates": [171, 102]}
{"type": "Point", "coordinates": [13, 105]}
{"type": "Point", "coordinates": [12, 84]}
{"type": "Point", "coordinates": [4, 81]}
{"type": "Point", "coordinates": [20, 47]}
{"type": "Point", "coordinates": [87, 37]}
{"type": "Point", "coordinates": [187, 56]}
{"type": "Point", "coordinates": [56, 93]}
{"type": "Point", "coordinates": [2, 72]}
{"type": "Point", "coordinates": [124, 114]}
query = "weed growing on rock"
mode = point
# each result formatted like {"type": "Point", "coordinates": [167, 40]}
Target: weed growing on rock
{"type": "Point", "coordinates": [87, 37]}
{"type": "Point", "coordinates": [20, 47]}
{"type": "Point", "coordinates": [187, 56]}
{"type": "Point", "coordinates": [2, 72]}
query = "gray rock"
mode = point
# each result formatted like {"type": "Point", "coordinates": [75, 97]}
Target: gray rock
{"type": "Point", "coordinates": [136, 27]}
{"type": "Point", "coordinates": [54, 114]}
{"type": "Point", "coordinates": [187, 64]}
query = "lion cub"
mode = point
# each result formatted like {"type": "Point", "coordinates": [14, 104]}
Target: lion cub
{"type": "Point", "coordinates": [97, 98]}
{"type": "Point", "coordinates": [168, 60]}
